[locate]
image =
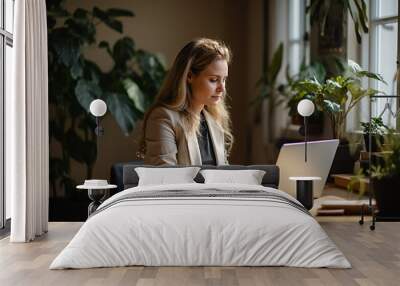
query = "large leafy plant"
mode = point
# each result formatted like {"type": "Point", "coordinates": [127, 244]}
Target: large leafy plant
{"type": "Point", "coordinates": [338, 95]}
{"type": "Point", "coordinates": [74, 81]}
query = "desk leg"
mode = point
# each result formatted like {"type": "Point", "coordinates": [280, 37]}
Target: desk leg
{"type": "Point", "coordinates": [304, 193]}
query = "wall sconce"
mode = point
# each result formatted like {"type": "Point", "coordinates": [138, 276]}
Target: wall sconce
{"type": "Point", "coordinates": [98, 108]}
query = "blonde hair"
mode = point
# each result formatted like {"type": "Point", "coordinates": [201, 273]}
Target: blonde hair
{"type": "Point", "coordinates": [175, 93]}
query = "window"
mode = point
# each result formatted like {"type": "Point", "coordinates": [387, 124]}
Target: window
{"type": "Point", "coordinates": [6, 43]}
{"type": "Point", "coordinates": [297, 49]}
{"type": "Point", "coordinates": [380, 55]}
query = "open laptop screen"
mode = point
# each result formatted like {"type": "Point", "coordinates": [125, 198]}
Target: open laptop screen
{"type": "Point", "coordinates": [291, 162]}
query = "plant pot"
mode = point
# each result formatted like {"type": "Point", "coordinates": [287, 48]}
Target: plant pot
{"type": "Point", "coordinates": [387, 195]}
{"type": "Point", "coordinates": [377, 141]}
{"type": "Point", "coordinates": [345, 157]}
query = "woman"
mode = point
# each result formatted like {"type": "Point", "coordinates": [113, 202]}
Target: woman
{"type": "Point", "coordinates": [189, 123]}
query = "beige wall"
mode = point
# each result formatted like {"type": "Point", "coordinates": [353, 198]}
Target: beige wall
{"type": "Point", "coordinates": [164, 26]}
{"type": "Point", "coordinates": [254, 132]}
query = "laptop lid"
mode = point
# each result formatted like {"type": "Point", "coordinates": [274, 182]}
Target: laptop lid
{"type": "Point", "coordinates": [291, 163]}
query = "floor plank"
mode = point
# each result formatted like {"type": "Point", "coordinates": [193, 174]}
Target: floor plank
{"type": "Point", "coordinates": [375, 257]}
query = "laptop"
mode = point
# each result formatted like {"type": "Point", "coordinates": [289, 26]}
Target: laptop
{"type": "Point", "coordinates": [291, 163]}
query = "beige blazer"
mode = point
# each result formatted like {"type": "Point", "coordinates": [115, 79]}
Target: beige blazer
{"type": "Point", "coordinates": [168, 143]}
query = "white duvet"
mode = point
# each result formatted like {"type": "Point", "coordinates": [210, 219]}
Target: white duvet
{"type": "Point", "coordinates": [200, 231]}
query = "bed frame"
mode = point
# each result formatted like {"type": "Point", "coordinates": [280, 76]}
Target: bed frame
{"type": "Point", "coordinates": [271, 178]}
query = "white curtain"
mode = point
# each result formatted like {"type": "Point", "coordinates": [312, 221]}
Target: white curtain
{"type": "Point", "coordinates": [27, 147]}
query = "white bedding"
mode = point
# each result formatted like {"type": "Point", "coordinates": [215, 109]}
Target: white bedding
{"type": "Point", "coordinates": [182, 231]}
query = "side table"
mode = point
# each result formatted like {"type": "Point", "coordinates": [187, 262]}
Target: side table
{"type": "Point", "coordinates": [304, 190]}
{"type": "Point", "coordinates": [97, 194]}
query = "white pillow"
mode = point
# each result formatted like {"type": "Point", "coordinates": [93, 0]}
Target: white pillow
{"type": "Point", "coordinates": [248, 177]}
{"type": "Point", "coordinates": [164, 176]}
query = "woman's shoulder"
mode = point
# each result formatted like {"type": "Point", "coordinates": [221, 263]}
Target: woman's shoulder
{"type": "Point", "coordinates": [162, 112]}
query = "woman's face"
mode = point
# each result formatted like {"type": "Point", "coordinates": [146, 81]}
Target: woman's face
{"type": "Point", "coordinates": [208, 86]}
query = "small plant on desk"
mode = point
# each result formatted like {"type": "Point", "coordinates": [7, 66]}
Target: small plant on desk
{"type": "Point", "coordinates": [374, 130]}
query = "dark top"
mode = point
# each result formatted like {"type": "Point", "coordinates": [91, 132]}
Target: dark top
{"type": "Point", "coordinates": [205, 143]}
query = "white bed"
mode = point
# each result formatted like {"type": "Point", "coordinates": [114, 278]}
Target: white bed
{"type": "Point", "coordinates": [250, 228]}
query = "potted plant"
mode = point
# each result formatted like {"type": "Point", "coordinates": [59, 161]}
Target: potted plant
{"type": "Point", "coordinates": [374, 130]}
{"type": "Point", "coordinates": [336, 97]}
{"type": "Point", "coordinates": [385, 176]}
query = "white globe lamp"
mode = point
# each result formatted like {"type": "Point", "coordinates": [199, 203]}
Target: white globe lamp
{"type": "Point", "coordinates": [98, 108]}
{"type": "Point", "coordinates": [305, 107]}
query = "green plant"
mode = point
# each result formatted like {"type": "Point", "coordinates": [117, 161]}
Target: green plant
{"type": "Point", "coordinates": [359, 180]}
{"type": "Point", "coordinates": [337, 96]}
{"type": "Point", "coordinates": [386, 164]}
{"type": "Point", "coordinates": [389, 165]}
{"type": "Point", "coordinates": [293, 95]}
{"type": "Point", "coordinates": [280, 93]}
{"type": "Point", "coordinates": [74, 81]}
{"type": "Point", "coordinates": [376, 126]}
{"type": "Point", "coordinates": [320, 10]}
{"type": "Point", "coordinates": [269, 88]}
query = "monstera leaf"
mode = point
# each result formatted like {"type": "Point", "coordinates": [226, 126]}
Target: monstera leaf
{"type": "Point", "coordinates": [67, 46]}
{"type": "Point", "coordinates": [123, 51]}
{"type": "Point", "coordinates": [86, 92]}
{"type": "Point", "coordinates": [123, 110]}
{"type": "Point", "coordinates": [106, 19]}
{"type": "Point", "coordinates": [135, 94]}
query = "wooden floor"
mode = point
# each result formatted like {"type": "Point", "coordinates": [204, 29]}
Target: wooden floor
{"type": "Point", "coordinates": [374, 255]}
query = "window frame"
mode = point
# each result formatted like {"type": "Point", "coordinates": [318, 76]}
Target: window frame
{"type": "Point", "coordinates": [304, 28]}
{"type": "Point", "coordinates": [364, 54]}
{"type": "Point", "coordinates": [370, 52]}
